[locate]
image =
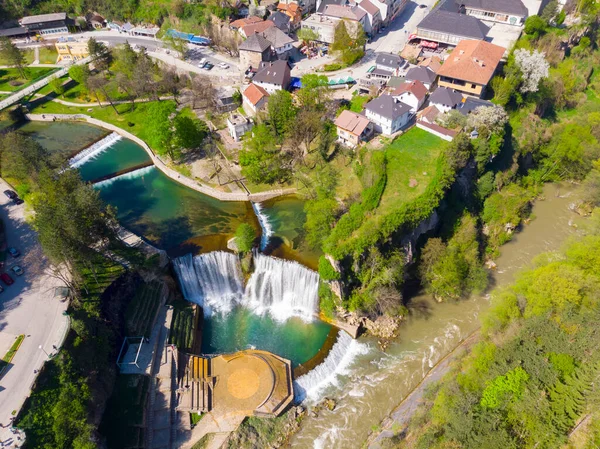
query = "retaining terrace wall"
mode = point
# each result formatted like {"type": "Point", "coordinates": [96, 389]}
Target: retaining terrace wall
{"type": "Point", "coordinates": [190, 183]}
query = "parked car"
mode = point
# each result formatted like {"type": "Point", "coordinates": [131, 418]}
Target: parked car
{"type": "Point", "coordinates": [208, 66]}
{"type": "Point", "coordinates": [4, 277]}
{"type": "Point", "coordinates": [202, 62]}
{"type": "Point", "coordinates": [224, 65]}
{"type": "Point", "coordinates": [18, 201]}
{"type": "Point", "coordinates": [14, 252]}
{"type": "Point", "coordinates": [11, 194]}
{"type": "Point", "coordinates": [17, 270]}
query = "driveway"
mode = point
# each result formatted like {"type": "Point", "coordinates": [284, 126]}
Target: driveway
{"type": "Point", "coordinates": [27, 307]}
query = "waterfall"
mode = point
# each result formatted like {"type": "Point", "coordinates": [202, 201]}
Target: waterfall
{"type": "Point", "coordinates": [312, 385]}
{"type": "Point", "coordinates": [265, 225]}
{"type": "Point", "coordinates": [131, 175]}
{"type": "Point", "coordinates": [212, 280]}
{"type": "Point", "coordinates": [93, 151]}
{"type": "Point", "coordinates": [282, 288]}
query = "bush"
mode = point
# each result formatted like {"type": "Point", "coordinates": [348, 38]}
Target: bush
{"type": "Point", "coordinates": [332, 67]}
{"type": "Point", "coordinates": [244, 237]}
{"type": "Point", "coordinates": [326, 271]}
{"type": "Point", "coordinates": [327, 300]}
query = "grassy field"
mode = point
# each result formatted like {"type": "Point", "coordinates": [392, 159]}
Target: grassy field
{"type": "Point", "coordinates": [47, 55]}
{"type": "Point", "coordinates": [123, 419]}
{"type": "Point", "coordinates": [142, 310]}
{"type": "Point", "coordinates": [11, 352]}
{"type": "Point", "coordinates": [10, 79]}
{"type": "Point", "coordinates": [182, 326]}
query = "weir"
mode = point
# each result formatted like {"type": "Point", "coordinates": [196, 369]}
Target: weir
{"type": "Point", "coordinates": [265, 225]}
{"type": "Point", "coordinates": [93, 151]}
{"type": "Point", "coordinates": [129, 175]}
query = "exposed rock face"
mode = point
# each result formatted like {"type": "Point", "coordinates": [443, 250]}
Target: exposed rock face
{"type": "Point", "coordinates": [384, 326]}
{"type": "Point", "coordinates": [337, 287]}
{"type": "Point", "coordinates": [409, 241]}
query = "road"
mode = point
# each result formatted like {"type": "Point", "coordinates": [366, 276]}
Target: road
{"type": "Point", "coordinates": [27, 307]}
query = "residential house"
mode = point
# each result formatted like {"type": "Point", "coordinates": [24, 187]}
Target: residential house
{"type": "Point", "coordinates": [353, 128]}
{"type": "Point", "coordinates": [281, 21]}
{"type": "Point", "coordinates": [95, 21]}
{"type": "Point", "coordinates": [423, 74]}
{"type": "Point", "coordinates": [387, 114]}
{"type": "Point", "coordinates": [254, 99]}
{"type": "Point", "coordinates": [239, 23]}
{"type": "Point", "coordinates": [469, 104]}
{"type": "Point", "coordinates": [374, 22]}
{"type": "Point", "coordinates": [254, 50]}
{"type": "Point", "coordinates": [253, 28]}
{"type": "Point", "coordinates": [450, 27]}
{"type": "Point", "coordinates": [445, 99]}
{"type": "Point", "coordinates": [429, 114]}
{"type": "Point", "coordinates": [470, 67]}
{"type": "Point", "coordinates": [433, 62]}
{"type": "Point", "coordinates": [294, 12]}
{"type": "Point", "coordinates": [71, 49]}
{"type": "Point", "coordinates": [47, 24]}
{"type": "Point", "coordinates": [273, 76]}
{"type": "Point", "coordinates": [324, 23]}
{"type": "Point", "coordinates": [280, 42]}
{"type": "Point", "coordinates": [511, 12]}
{"type": "Point", "coordinates": [411, 93]}
{"type": "Point", "coordinates": [238, 125]}
{"type": "Point", "coordinates": [391, 63]}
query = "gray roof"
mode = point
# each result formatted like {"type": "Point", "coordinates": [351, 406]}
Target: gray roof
{"type": "Point", "coordinates": [469, 104]}
{"type": "Point", "coordinates": [386, 106]}
{"type": "Point", "coordinates": [280, 20]}
{"type": "Point", "coordinates": [448, 22]}
{"type": "Point", "coordinates": [445, 96]}
{"type": "Point", "coordinates": [389, 60]}
{"type": "Point", "coordinates": [514, 7]}
{"type": "Point", "coordinates": [277, 37]}
{"type": "Point", "coordinates": [13, 31]}
{"type": "Point", "coordinates": [423, 74]}
{"type": "Point", "coordinates": [256, 43]}
{"type": "Point", "coordinates": [41, 18]}
{"type": "Point", "coordinates": [325, 3]}
{"type": "Point", "coordinates": [272, 72]}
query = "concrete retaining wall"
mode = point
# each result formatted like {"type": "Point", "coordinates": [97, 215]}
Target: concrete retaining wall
{"type": "Point", "coordinates": [437, 130]}
{"type": "Point", "coordinates": [223, 196]}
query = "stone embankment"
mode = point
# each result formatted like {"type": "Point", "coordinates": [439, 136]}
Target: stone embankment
{"type": "Point", "coordinates": [206, 190]}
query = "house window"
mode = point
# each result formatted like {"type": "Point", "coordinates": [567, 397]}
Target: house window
{"type": "Point", "coordinates": [473, 86]}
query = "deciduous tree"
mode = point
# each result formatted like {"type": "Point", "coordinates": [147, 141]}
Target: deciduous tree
{"type": "Point", "coordinates": [13, 55]}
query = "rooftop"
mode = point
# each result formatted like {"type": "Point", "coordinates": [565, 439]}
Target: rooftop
{"type": "Point", "coordinates": [423, 74]}
{"type": "Point", "coordinates": [272, 73]}
{"type": "Point", "coordinates": [414, 87]}
{"type": "Point", "coordinates": [41, 18]}
{"type": "Point", "coordinates": [255, 42]}
{"type": "Point", "coordinates": [448, 22]}
{"type": "Point", "coordinates": [389, 60]}
{"type": "Point", "coordinates": [472, 61]}
{"type": "Point", "coordinates": [257, 27]}
{"type": "Point", "coordinates": [513, 7]}
{"type": "Point", "coordinates": [469, 104]}
{"type": "Point", "coordinates": [369, 7]}
{"type": "Point", "coordinates": [445, 96]}
{"type": "Point", "coordinates": [386, 106]}
{"type": "Point", "coordinates": [352, 122]}
{"type": "Point", "coordinates": [434, 63]}
{"type": "Point", "coordinates": [277, 37]}
{"type": "Point", "coordinates": [246, 21]}
{"type": "Point", "coordinates": [255, 93]}
{"type": "Point", "coordinates": [344, 12]}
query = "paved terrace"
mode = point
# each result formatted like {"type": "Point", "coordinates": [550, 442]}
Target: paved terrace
{"type": "Point", "coordinates": [206, 190]}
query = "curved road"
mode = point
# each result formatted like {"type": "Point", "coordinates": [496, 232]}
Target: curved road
{"type": "Point", "coordinates": [27, 307]}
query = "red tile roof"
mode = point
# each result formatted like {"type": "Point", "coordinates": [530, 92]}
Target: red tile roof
{"type": "Point", "coordinates": [243, 22]}
{"type": "Point", "coordinates": [472, 61]}
{"type": "Point", "coordinates": [417, 88]}
{"type": "Point", "coordinates": [258, 27]}
{"type": "Point", "coordinates": [255, 93]}
{"type": "Point", "coordinates": [352, 122]}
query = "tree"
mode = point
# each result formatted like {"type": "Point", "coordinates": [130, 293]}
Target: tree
{"type": "Point", "coordinates": [281, 112]}
{"type": "Point", "coordinates": [125, 59]}
{"type": "Point", "coordinates": [533, 66]}
{"type": "Point", "coordinates": [308, 124]}
{"type": "Point", "coordinates": [307, 35]}
{"type": "Point", "coordinates": [203, 92]}
{"type": "Point", "coordinates": [492, 118]}
{"type": "Point", "coordinates": [189, 132]}
{"type": "Point", "coordinates": [98, 84]}
{"type": "Point", "coordinates": [341, 39]}
{"type": "Point", "coordinates": [260, 159]}
{"type": "Point", "coordinates": [535, 26]}
{"type": "Point", "coordinates": [57, 86]}
{"type": "Point", "coordinates": [100, 54]}
{"type": "Point", "coordinates": [22, 158]}
{"type": "Point", "coordinates": [314, 91]}
{"type": "Point", "coordinates": [245, 237]}
{"type": "Point", "coordinates": [79, 73]}
{"type": "Point", "coordinates": [159, 120]}
{"type": "Point", "coordinates": [550, 11]}
{"type": "Point", "coordinates": [13, 55]}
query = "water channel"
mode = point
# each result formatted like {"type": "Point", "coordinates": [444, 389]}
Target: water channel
{"type": "Point", "coordinates": [368, 383]}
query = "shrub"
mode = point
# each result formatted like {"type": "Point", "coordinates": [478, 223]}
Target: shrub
{"type": "Point", "coordinates": [326, 271]}
{"type": "Point", "coordinates": [332, 67]}
{"type": "Point", "coordinates": [244, 237]}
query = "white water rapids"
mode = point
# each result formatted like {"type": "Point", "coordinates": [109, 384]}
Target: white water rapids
{"type": "Point", "coordinates": [265, 225]}
{"type": "Point", "coordinates": [131, 175]}
{"type": "Point", "coordinates": [93, 151]}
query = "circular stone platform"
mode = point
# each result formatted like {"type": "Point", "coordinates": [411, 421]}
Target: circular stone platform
{"type": "Point", "coordinates": [243, 383]}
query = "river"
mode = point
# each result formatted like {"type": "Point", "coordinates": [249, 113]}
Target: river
{"type": "Point", "coordinates": [376, 382]}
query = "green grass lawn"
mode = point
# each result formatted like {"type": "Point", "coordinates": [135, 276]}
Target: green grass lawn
{"type": "Point", "coordinates": [47, 55]}
{"type": "Point", "coordinates": [11, 352]}
{"type": "Point", "coordinates": [358, 102]}
{"type": "Point", "coordinates": [10, 79]}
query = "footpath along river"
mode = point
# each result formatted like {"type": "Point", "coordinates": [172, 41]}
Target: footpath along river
{"type": "Point", "coordinates": [374, 383]}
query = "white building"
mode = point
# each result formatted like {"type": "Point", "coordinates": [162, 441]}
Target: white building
{"type": "Point", "coordinates": [238, 125]}
{"type": "Point", "coordinates": [387, 114]}
{"type": "Point", "coordinates": [412, 94]}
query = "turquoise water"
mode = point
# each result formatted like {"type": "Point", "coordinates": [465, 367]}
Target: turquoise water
{"type": "Point", "coordinates": [240, 329]}
{"type": "Point", "coordinates": [122, 155]}
{"type": "Point", "coordinates": [170, 215]}
{"type": "Point", "coordinates": [64, 138]}
{"type": "Point", "coordinates": [286, 216]}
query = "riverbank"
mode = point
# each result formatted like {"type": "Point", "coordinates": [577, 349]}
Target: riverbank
{"type": "Point", "coordinates": [174, 175]}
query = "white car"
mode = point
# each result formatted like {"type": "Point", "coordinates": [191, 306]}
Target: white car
{"type": "Point", "coordinates": [202, 62]}
{"type": "Point", "coordinates": [224, 65]}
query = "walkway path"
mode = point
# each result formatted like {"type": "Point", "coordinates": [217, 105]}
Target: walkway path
{"type": "Point", "coordinates": [223, 196]}
{"type": "Point", "coordinates": [102, 103]}
{"type": "Point", "coordinates": [37, 85]}
{"type": "Point", "coordinates": [27, 307]}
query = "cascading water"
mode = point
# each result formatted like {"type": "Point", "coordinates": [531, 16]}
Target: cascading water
{"type": "Point", "coordinates": [212, 280]}
{"type": "Point", "coordinates": [311, 385]}
{"type": "Point", "coordinates": [265, 225]}
{"type": "Point", "coordinates": [94, 150]}
{"type": "Point", "coordinates": [130, 175]}
{"type": "Point", "coordinates": [282, 288]}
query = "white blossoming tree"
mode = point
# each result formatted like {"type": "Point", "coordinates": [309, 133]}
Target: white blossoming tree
{"type": "Point", "coordinates": [491, 117]}
{"type": "Point", "coordinates": [533, 66]}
